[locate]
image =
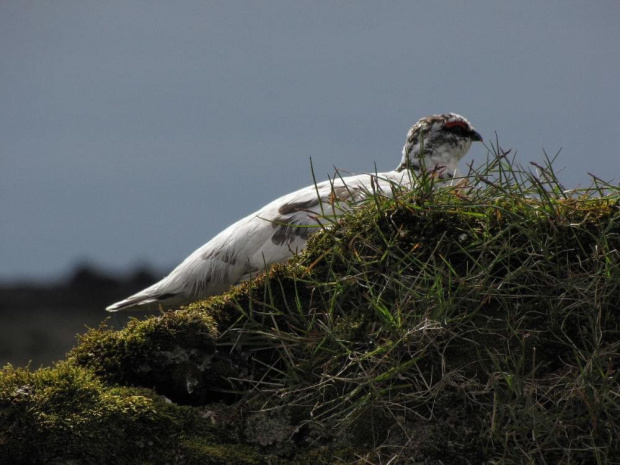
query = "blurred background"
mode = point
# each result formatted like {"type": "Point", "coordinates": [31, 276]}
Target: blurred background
{"type": "Point", "coordinates": [133, 131]}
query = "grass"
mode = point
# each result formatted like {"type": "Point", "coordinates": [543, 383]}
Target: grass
{"type": "Point", "coordinates": [472, 323]}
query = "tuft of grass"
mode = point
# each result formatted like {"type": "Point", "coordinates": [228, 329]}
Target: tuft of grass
{"type": "Point", "coordinates": [476, 322]}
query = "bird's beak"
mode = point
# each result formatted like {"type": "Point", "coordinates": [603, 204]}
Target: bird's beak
{"type": "Point", "coordinates": [475, 137]}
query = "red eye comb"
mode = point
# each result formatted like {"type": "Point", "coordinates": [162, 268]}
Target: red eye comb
{"type": "Point", "coordinates": [451, 124]}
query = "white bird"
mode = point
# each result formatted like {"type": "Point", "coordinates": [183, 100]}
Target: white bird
{"type": "Point", "coordinates": [281, 228]}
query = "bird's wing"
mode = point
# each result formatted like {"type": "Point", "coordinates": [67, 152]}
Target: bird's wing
{"type": "Point", "coordinates": [270, 235]}
{"type": "Point", "coordinates": [288, 221]}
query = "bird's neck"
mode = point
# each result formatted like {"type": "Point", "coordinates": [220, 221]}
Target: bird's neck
{"type": "Point", "coordinates": [444, 162]}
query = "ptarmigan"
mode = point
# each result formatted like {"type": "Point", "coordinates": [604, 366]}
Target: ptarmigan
{"type": "Point", "coordinates": [281, 228]}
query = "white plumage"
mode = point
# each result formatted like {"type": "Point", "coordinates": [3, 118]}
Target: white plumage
{"type": "Point", "coordinates": [281, 228]}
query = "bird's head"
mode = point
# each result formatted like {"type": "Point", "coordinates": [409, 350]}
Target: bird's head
{"type": "Point", "coordinates": [438, 142]}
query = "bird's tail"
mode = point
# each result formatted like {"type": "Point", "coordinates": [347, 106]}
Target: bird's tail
{"type": "Point", "coordinates": [132, 303]}
{"type": "Point", "coordinates": [150, 298]}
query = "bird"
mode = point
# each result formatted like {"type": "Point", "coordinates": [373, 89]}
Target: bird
{"type": "Point", "coordinates": [281, 228]}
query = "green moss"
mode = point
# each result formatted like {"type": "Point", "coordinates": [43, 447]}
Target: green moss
{"type": "Point", "coordinates": [174, 353]}
{"type": "Point", "coordinates": [197, 451]}
{"type": "Point", "coordinates": [66, 412]}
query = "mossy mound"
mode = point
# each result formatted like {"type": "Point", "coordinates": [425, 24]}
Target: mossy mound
{"type": "Point", "coordinates": [176, 352]}
{"type": "Point", "coordinates": [68, 415]}
{"type": "Point", "coordinates": [473, 324]}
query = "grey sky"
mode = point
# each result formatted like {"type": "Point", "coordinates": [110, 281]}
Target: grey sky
{"type": "Point", "coordinates": [132, 132]}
